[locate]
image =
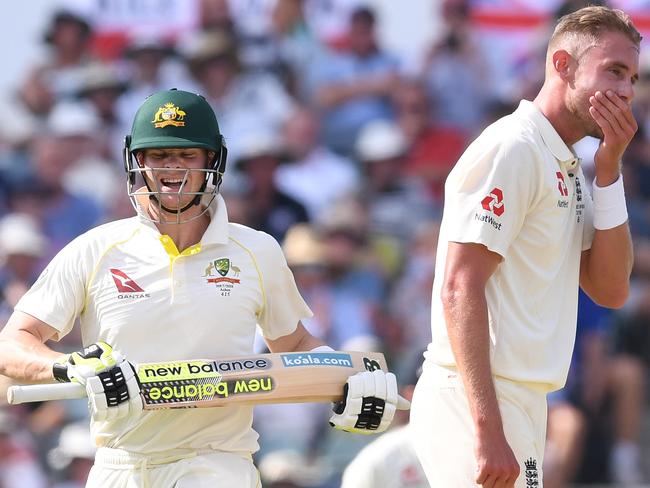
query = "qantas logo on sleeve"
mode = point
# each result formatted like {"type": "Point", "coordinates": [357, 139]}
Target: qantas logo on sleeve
{"type": "Point", "coordinates": [126, 287]}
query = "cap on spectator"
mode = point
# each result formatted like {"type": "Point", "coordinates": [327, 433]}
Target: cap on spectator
{"type": "Point", "coordinates": [74, 443]}
{"type": "Point", "coordinates": [20, 234]}
{"type": "Point", "coordinates": [146, 41]}
{"type": "Point", "coordinates": [73, 119]}
{"type": "Point", "coordinates": [302, 247]}
{"type": "Point", "coordinates": [380, 140]}
{"type": "Point", "coordinates": [344, 217]}
{"type": "Point", "coordinates": [258, 144]}
{"type": "Point", "coordinates": [100, 76]}
{"type": "Point", "coordinates": [66, 15]}
{"type": "Point", "coordinates": [208, 45]}
{"type": "Point", "coordinates": [23, 127]}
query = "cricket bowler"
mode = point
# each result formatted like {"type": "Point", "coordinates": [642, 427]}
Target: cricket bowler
{"type": "Point", "coordinates": [177, 281]}
{"type": "Point", "coordinates": [521, 230]}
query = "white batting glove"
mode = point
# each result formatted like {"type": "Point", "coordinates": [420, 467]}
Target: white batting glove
{"type": "Point", "coordinates": [110, 380]}
{"type": "Point", "coordinates": [369, 403]}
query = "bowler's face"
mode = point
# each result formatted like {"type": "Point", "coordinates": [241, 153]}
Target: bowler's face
{"type": "Point", "coordinates": [612, 64]}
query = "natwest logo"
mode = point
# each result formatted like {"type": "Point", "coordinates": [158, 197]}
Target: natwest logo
{"type": "Point", "coordinates": [494, 202]}
{"type": "Point", "coordinates": [561, 185]}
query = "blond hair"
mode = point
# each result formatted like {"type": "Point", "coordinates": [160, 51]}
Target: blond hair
{"type": "Point", "coordinates": [584, 28]}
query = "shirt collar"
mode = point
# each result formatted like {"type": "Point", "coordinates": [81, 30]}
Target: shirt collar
{"type": "Point", "coordinates": [551, 138]}
{"type": "Point", "coordinates": [217, 231]}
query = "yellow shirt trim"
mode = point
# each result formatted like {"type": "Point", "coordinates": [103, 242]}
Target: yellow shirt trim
{"type": "Point", "coordinates": [259, 273]}
{"type": "Point", "coordinates": [96, 268]}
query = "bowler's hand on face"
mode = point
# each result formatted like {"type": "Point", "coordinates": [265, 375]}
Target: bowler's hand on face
{"type": "Point", "coordinates": [614, 116]}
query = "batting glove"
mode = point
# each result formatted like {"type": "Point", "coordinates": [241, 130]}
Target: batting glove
{"type": "Point", "coordinates": [110, 380]}
{"type": "Point", "coordinates": [370, 399]}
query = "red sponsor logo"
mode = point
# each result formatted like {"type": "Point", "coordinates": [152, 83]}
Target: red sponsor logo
{"type": "Point", "coordinates": [222, 280]}
{"type": "Point", "coordinates": [493, 202]}
{"type": "Point", "coordinates": [561, 185]}
{"type": "Point", "coordinates": [123, 283]}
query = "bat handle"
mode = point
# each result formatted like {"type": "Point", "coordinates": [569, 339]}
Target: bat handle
{"type": "Point", "coordinates": [403, 403]}
{"type": "Point", "coordinates": [45, 392]}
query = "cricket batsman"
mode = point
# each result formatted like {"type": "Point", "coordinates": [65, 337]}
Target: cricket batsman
{"type": "Point", "coordinates": [177, 281]}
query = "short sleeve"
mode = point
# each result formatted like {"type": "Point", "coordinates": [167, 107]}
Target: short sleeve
{"type": "Point", "coordinates": [283, 306]}
{"type": "Point", "coordinates": [490, 191]}
{"type": "Point", "coordinates": [58, 295]}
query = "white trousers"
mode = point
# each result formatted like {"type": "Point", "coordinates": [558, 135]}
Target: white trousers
{"type": "Point", "coordinates": [116, 468]}
{"type": "Point", "coordinates": [442, 430]}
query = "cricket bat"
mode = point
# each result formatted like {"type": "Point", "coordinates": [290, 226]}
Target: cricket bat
{"type": "Point", "coordinates": [295, 377]}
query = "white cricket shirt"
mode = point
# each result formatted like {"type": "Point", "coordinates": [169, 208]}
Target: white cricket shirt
{"type": "Point", "coordinates": [520, 191]}
{"type": "Point", "coordinates": [131, 288]}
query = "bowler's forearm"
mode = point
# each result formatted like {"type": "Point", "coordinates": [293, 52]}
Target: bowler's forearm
{"type": "Point", "coordinates": [609, 266]}
{"type": "Point", "coordinates": [467, 326]}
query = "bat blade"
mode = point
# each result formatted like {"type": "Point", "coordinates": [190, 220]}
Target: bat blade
{"type": "Point", "coordinates": [296, 377]}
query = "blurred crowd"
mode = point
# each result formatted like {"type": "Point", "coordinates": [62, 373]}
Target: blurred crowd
{"type": "Point", "coordinates": [341, 154]}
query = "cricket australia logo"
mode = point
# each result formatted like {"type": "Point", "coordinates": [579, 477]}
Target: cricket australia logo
{"type": "Point", "coordinates": [169, 114]}
{"type": "Point", "coordinates": [223, 274]}
{"type": "Point", "coordinates": [532, 475]}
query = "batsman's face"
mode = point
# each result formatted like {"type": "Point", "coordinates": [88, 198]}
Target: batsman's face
{"type": "Point", "coordinates": [175, 174]}
{"type": "Point", "coordinates": [612, 64]}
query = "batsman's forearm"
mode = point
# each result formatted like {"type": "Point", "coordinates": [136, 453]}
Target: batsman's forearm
{"type": "Point", "coordinates": [466, 317]}
{"type": "Point", "coordinates": [25, 359]}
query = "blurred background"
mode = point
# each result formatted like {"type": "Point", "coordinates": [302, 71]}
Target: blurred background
{"type": "Point", "coordinates": [342, 119]}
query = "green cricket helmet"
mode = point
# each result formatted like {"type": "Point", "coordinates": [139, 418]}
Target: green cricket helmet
{"type": "Point", "coordinates": [176, 119]}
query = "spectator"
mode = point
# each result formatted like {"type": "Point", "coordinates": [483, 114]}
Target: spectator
{"type": "Point", "coordinates": [410, 302]}
{"type": "Point", "coordinates": [101, 86]}
{"type": "Point", "coordinates": [456, 76]}
{"type": "Point", "coordinates": [73, 456]}
{"type": "Point", "coordinates": [604, 389]}
{"type": "Point", "coordinates": [298, 47]}
{"type": "Point", "coordinates": [311, 164]}
{"type": "Point", "coordinates": [62, 215]}
{"type": "Point", "coordinates": [22, 247]}
{"type": "Point", "coordinates": [268, 208]}
{"type": "Point", "coordinates": [389, 194]}
{"type": "Point", "coordinates": [150, 66]}
{"type": "Point", "coordinates": [342, 319]}
{"type": "Point", "coordinates": [78, 131]}
{"type": "Point", "coordinates": [18, 463]}
{"type": "Point", "coordinates": [246, 102]}
{"type": "Point", "coordinates": [59, 76]}
{"type": "Point", "coordinates": [353, 87]}
{"type": "Point", "coordinates": [434, 148]}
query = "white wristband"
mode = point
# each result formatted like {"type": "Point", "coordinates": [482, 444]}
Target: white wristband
{"type": "Point", "coordinates": [610, 209]}
{"type": "Point", "coordinates": [322, 349]}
